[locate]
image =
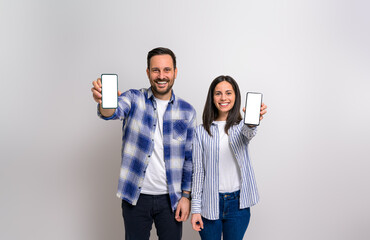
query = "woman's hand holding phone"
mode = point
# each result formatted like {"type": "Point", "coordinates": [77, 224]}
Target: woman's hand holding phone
{"type": "Point", "coordinates": [263, 111]}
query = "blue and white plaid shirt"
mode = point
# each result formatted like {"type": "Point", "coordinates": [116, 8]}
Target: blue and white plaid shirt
{"type": "Point", "coordinates": [137, 110]}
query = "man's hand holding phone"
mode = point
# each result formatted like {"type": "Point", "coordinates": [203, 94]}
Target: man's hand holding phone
{"type": "Point", "coordinates": [97, 95]}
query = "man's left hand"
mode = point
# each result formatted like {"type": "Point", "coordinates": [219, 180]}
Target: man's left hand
{"type": "Point", "coordinates": [182, 210]}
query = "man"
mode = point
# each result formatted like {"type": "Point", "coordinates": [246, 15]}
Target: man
{"type": "Point", "coordinates": [156, 169]}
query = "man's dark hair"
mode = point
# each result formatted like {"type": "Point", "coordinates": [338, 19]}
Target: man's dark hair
{"type": "Point", "coordinates": [210, 112]}
{"type": "Point", "coordinates": [161, 51]}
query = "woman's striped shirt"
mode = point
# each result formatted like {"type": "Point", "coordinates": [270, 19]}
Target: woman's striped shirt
{"type": "Point", "coordinates": [205, 185]}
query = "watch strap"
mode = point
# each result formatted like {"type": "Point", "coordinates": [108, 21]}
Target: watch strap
{"type": "Point", "coordinates": [186, 195]}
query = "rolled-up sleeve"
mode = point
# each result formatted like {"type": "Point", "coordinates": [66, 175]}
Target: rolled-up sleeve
{"type": "Point", "coordinates": [198, 175]}
{"type": "Point", "coordinates": [124, 106]}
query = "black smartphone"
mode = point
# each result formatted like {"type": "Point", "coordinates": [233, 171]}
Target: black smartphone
{"type": "Point", "coordinates": [109, 90]}
{"type": "Point", "coordinates": [253, 108]}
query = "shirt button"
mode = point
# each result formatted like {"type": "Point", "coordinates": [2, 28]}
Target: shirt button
{"type": "Point", "coordinates": [148, 155]}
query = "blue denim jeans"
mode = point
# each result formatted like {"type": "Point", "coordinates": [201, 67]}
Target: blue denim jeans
{"type": "Point", "coordinates": [232, 222]}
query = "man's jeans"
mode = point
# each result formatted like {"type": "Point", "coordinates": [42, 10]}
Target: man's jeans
{"type": "Point", "coordinates": [139, 219]}
{"type": "Point", "coordinates": [232, 222]}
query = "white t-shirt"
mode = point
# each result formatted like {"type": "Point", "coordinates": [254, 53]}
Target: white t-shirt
{"type": "Point", "coordinates": [229, 171]}
{"type": "Point", "coordinates": [155, 181]}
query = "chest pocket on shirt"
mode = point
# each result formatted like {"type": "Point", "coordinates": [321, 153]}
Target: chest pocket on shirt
{"type": "Point", "coordinates": [179, 129]}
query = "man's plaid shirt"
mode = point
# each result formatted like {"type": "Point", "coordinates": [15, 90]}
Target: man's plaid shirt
{"type": "Point", "coordinates": [137, 110]}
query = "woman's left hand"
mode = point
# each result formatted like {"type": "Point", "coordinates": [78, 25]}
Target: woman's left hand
{"type": "Point", "coordinates": [263, 111]}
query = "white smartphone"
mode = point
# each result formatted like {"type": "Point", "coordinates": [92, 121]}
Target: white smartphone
{"type": "Point", "coordinates": [253, 108]}
{"type": "Point", "coordinates": [109, 90]}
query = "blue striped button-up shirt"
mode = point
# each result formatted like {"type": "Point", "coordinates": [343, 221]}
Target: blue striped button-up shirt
{"type": "Point", "coordinates": [205, 189]}
{"type": "Point", "coordinates": [137, 110]}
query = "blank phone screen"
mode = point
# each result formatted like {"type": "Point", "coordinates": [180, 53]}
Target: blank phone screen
{"type": "Point", "coordinates": [253, 108]}
{"type": "Point", "coordinates": [109, 90]}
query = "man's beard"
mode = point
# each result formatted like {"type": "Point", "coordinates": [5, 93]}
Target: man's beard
{"type": "Point", "coordinates": [161, 91]}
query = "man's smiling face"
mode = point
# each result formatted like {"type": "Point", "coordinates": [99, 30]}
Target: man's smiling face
{"type": "Point", "coordinates": [162, 75]}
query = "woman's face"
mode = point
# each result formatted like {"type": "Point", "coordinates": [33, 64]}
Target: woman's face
{"type": "Point", "coordinates": [224, 98]}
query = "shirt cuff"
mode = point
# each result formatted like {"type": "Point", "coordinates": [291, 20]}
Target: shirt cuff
{"type": "Point", "coordinates": [103, 117]}
{"type": "Point", "coordinates": [195, 205]}
{"type": "Point", "coordinates": [249, 132]}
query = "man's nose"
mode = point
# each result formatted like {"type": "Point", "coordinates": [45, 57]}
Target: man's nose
{"type": "Point", "coordinates": [161, 75]}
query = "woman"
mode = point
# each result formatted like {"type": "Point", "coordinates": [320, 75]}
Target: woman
{"type": "Point", "coordinates": [224, 186]}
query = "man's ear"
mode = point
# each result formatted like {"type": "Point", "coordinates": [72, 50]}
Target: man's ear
{"type": "Point", "coordinates": [175, 73]}
{"type": "Point", "coordinates": [147, 72]}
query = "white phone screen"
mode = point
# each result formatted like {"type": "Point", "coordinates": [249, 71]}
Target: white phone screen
{"type": "Point", "coordinates": [253, 108]}
{"type": "Point", "coordinates": [109, 90]}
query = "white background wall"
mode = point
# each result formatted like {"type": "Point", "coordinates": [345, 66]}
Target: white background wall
{"type": "Point", "coordinates": [310, 58]}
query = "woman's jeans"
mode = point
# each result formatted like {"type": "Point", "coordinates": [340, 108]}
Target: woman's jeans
{"type": "Point", "coordinates": [232, 222]}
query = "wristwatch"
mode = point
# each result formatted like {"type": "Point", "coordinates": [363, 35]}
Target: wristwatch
{"type": "Point", "coordinates": [186, 195]}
